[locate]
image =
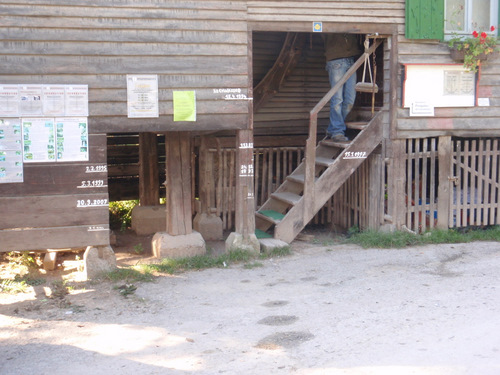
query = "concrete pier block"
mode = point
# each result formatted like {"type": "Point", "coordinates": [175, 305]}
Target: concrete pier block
{"type": "Point", "coordinates": [98, 259]}
{"type": "Point", "coordinates": [209, 226]}
{"type": "Point", "coordinates": [49, 261]}
{"type": "Point", "coordinates": [267, 245]}
{"type": "Point", "coordinates": [149, 219]}
{"type": "Point", "coordinates": [235, 241]}
{"type": "Point", "coordinates": [165, 245]}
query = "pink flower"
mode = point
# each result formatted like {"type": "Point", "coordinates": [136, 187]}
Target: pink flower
{"type": "Point", "coordinates": [492, 28]}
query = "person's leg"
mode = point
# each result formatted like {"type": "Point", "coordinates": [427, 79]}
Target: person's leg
{"type": "Point", "coordinates": [349, 92]}
{"type": "Point", "coordinates": [336, 70]}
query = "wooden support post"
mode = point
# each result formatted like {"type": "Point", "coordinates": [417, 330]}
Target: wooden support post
{"type": "Point", "coordinates": [396, 181]}
{"type": "Point", "coordinates": [178, 183]}
{"type": "Point", "coordinates": [245, 202]}
{"type": "Point", "coordinates": [149, 189]}
{"type": "Point", "coordinates": [445, 162]}
{"type": "Point", "coordinates": [206, 181]}
{"type": "Point", "coordinates": [375, 191]}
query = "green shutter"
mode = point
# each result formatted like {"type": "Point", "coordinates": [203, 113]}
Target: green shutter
{"type": "Point", "coordinates": [425, 19]}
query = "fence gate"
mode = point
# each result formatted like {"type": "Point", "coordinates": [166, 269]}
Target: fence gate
{"type": "Point", "coordinates": [474, 183]}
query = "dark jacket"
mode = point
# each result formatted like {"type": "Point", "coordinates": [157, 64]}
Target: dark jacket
{"type": "Point", "coordinates": [341, 45]}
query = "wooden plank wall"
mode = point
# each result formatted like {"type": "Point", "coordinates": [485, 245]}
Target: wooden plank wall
{"type": "Point", "coordinates": [192, 45]}
{"type": "Point", "coordinates": [291, 14]}
{"type": "Point", "coordinates": [463, 122]}
{"type": "Point", "coordinates": [59, 205]}
{"type": "Point", "coordinates": [288, 111]}
{"type": "Point", "coordinates": [123, 166]}
{"type": "Point", "coordinates": [295, 15]}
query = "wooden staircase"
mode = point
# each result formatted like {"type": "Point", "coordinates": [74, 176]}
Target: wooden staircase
{"type": "Point", "coordinates": [299, 198]}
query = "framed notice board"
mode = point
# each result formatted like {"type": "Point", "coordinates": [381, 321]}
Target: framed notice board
{"type": "Point", "coordinates": [438, 86]}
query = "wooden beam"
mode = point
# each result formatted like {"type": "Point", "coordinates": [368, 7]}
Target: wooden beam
{"type": "Point", "coordinates": [444, 160]}
{"type": "Point", "coordinates": [396, 183]}
{"type": "Point", "coordinates": [245, 201]}
{"type": "Point", "coordinates": [149, 189]}
{"type": "Point", "coordinates": [178, 183]}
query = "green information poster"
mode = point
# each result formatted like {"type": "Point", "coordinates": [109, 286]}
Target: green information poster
{"type": "Point", "coordinates": [184, 106]}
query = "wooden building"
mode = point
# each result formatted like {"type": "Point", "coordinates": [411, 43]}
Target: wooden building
{"type": "Point", "coordinates": [256, 72]}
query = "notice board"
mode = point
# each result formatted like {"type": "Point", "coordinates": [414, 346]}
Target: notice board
{"type": "Point", "coordinates": [53, 170]}
{"type": "Point", "coordinates": [438, 86]}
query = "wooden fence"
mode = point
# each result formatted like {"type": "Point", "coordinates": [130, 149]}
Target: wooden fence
{"type": "Point", "coordinates": [421, 183]}
{"type": "Point", "coordinates": [474, 194]}
{"type": "Point", "coordinates": [473, 177]}
{"type": "Point", "coordinates": [347, 208]}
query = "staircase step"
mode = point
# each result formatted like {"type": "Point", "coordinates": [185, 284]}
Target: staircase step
{"type": "Point", "coordinates": [299, 178]}
{"type": "Point", "coordinates": [325, 162]}
{"type": "Point", "coordinates": [330, 143]}
{"type": "Point", "coordinates": [358, 125]}
{"type": "Point", "coordinates": [296, 178]}
{"type": "Point", "coordinates": [261, 234]}
{"type": "Point", "coordinates": [273, 216]}
{"type": "Point", "coordinates": [287, 197]}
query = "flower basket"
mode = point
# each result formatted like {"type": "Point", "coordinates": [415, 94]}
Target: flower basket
{"type": "Point", "coordinates": [459, 55]}
{"type": "Point", "coordinates": [471, 51]}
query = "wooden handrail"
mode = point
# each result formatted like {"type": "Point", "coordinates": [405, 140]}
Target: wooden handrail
{"type": "Point", "coordinates": [310, 152]}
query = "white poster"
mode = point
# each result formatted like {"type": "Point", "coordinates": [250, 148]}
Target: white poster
{"type": "Point", "coordinates": [77, 100]}
{"type": "Point", "coordinates": [38, 140]}
{"type": "Point", "coordinates": [9, 101]}
{"type": "Point", "coordinates": [30, 100]}
{"type": "Point", "coordinates": [11, 157]}
{"type": "Point", "coordinates": [53, 97]}
{"type": "Point", "coordinates": [438, 86]}
{"type": "Point", "coordinates": [11, 167]}
{"type": "Point", "coordinates": [10, 134]}
{"type": "Point", "coordinates": [72, 139]}
{"type": "Point", "coordinates": [142, 96]}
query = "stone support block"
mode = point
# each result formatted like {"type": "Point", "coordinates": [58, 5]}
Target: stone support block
{"type": "Point", "coordinates": [209, 226]}
{"type": "Point", "coordinates": [97, 260]}
{"type": "Point", "coordinates": [165, 245]}
{"type": "Point", "coordinates": [235, 241]}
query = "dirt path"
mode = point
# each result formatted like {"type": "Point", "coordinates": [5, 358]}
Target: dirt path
{"type": "Point", "coordinates": [323, 310]}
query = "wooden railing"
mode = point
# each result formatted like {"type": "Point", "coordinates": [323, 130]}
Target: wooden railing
{"type": "Point", "coordinates": [310, 152]}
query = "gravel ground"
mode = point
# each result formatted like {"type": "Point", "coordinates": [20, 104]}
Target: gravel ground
{"type": "Point", "coordinates": [337, 309]}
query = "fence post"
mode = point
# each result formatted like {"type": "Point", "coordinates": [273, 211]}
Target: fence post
{"type": "Point", "coordinates": [445, 162]}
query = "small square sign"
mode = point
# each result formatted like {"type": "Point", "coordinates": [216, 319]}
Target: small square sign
{"type": "Point", "coordinates": [317, 27]}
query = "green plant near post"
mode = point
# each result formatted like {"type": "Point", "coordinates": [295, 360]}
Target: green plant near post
{"type": "Point", "coordinates": [120, 214]}
{"type": "Point", "coordinates": [475, 48]}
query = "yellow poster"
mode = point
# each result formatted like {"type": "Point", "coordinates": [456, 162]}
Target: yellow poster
{"type": "Point", "coordinates": [184, 106]}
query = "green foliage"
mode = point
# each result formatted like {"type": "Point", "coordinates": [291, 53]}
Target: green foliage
{"type": "Point", "coordinates": [400, 239]}
{"type": "Point", "coordinates": [13, 286]}
{"type": "Point", "coordinates": [130, 274]}
{"type": "Point", "coordinates": [145, 272]}
{"type": "Point", "coordinates": [24, 259]}
{"type": "Point", "coordinates": [277, 252]}
{"type": "Point", "coordinates": [476, 47]}
{"type": "Point", "coordinates": [138, 249]}
{"type": "Point", "coordinates": [19, 284]}
{"type": "Point", "coordinates": [249, 266]}
{"type": "Point", "coordinates": [120, 214]}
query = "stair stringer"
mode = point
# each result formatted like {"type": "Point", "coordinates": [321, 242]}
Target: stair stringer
{"type": "Point", "coordinates": [330, 181]}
